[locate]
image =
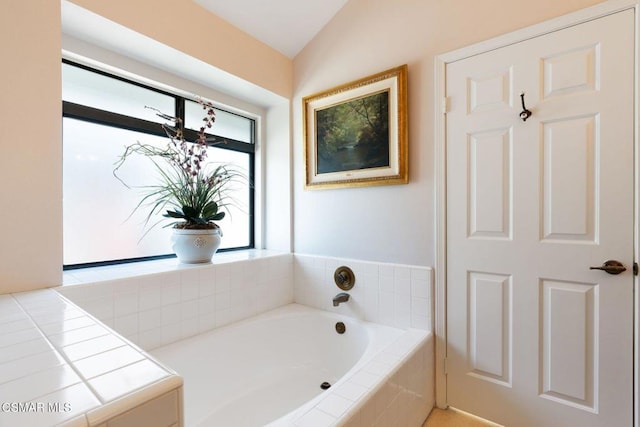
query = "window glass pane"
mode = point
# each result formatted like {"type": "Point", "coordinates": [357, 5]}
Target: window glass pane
{"type": "Point", "coordinates": [95, 90]}
{"type": "Point", "coordinates": [227, 125]}
{"type": "Point", "coordinates": [236, 223]}
{"type": "Point", "coordinates": [97, 206]}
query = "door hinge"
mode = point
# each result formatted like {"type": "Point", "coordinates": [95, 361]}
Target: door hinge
{"type": "Point", "coordinates": [635, 268]}
{"type": "Point", "coordinates": [445, 105]}
{"type": "Point", "coordinates": [444, 366]}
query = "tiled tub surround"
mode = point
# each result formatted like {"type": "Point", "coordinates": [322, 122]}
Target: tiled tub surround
{"type": "Point", "coordinates": [161, 302]}
{"type": "Point", "coordinates": [274, 364]}
{"type": "Point", "coordinates": [65, 368]}
{"type": "Point", "coordinates": [390, 294]}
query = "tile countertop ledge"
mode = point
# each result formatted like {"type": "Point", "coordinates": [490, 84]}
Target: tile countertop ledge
{"type": "Point", "coordinates": [60, 366]}
{"type": "Point", "coordinates": [135, 269]}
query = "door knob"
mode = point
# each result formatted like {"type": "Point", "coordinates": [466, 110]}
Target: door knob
{"type": "Point", "coordinates": [611, 267]}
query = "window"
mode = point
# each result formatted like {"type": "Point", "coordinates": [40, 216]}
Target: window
{"type": "Point", "coordinates": [102, 114]}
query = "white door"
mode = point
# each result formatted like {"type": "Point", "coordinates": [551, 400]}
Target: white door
{"type": "Point", "coordinates": [534, 337]}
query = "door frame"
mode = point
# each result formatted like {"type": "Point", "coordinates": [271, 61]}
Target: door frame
{"type": "Point", "coordinates": [441, 106]}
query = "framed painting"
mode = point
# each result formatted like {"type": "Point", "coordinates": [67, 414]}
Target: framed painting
{"type": "Point", "coordinates": [356, 134]}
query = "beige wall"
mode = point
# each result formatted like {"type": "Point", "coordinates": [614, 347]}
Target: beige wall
{"type": "Point", "coordinates": [394, 223]}
{"type": "Point", "coordinates": [30, 143]}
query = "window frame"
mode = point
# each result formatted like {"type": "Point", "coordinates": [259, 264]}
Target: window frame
{"type": "Point", "coordinates": [108, 118]}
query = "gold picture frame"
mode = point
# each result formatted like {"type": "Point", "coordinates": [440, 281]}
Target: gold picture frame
{"type": "Point", "coordinates": [356, 134]}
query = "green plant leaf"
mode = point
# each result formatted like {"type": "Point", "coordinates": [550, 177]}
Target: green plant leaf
{"type": "Point", "coordinates": [210, 209]}
{"type": "Point", "coordinates": [216, 217]}
{"type": "Point", "coordinates": [191, 213]}
{"type": "Point", "coordinates": [174, 214]}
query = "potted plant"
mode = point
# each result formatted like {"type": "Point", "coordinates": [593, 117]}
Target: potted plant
{"type": "Point", "coordinates": [191, 193]}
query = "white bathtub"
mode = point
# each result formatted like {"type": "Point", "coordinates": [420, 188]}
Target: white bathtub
{"type": "Point", "coordinates": [269, 370]}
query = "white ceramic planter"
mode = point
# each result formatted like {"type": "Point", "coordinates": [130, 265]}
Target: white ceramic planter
{"type": "Point", "coordinates": [195, 246]}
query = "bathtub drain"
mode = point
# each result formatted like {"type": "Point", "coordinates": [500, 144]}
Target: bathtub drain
{"type": "Point", "coordinates": [325, 385]}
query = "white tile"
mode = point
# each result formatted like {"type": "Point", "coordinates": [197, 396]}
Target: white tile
{"type": "Point", "coordinates": [365, 379]}
{"type": "Point", "coordinates": [150, 294]}
{"type": "Point", "coordinates": [170, 293]}
{"type": "Point", "coordinates": [68, 313]}
{"type": "Point", "coordinates": [206, 287]}
{"type": "Point", "coordinates": [386, 285]}
{"type": "Point", "coordinates": [420, 322]}
{"type": "Point", "coordinates": [420, 307]}
{"type": "Point", "coordinates": [222, 279]}
{"type": "Point", "coordinates": [378, 368]}
{"type": "Point", "coordinates": [419, 288]}
{"type": "Point", "coordinates": [108, 361]}
{"type": "Point", "coordinates": [350, 390]}
{"type": "Point", "coordinates": [402, 286]}
{"type": "Point", "coordinates": [119, 382]}
{"type": "Point", "coordinates": [222, 301]}
{"type": "Point", "coordinates": [34, 297]}
{"type": "Point", "coordinates": [402, 302]}
{"type": "Point", "coordinates": [79, 398]}
{"type": "Point", "coordinates": [48, 309]}
{"type": "Point", "coordinates": [91, 347]}
{"type": "Point", "coordinates": [102, 308]}
{"type": "Point", "coordinates": [67, 325]}
{"type": "Point", "coordinates": [170, 314]}
{"type": "Point", "coordinates": [402, 272]}
{"type": "Point", "coordinates": [150, 339]}
{"type": "Point", "coordinates": [402, 319]}
{"type": "Point", "coordinates": [386, 308]}
{"type": "Point", "coordinates": [66, 404]}
{"type": "Point", "coordinates": [171, 333]}
{"type": "Point", "coordinates": [149, 319]}
{"type": "Point", "coordinates": [385, 270]}
{"type": "Point", "coordinates": [12, 316]}
{"type": "Point", "coordinates": [207, 275]}
{"type": "Point", "coordinates": [315, 418]}
{"type": "Point", "coordinates": [421, 273]}
{"type": "Point", "coordinates": [29, 365]}
{"type": "Point", "coordinates": [103, 290]}
{"type": "Point", "coordinates": [190, 284]}
{"type": "Point", "coordinates": [207, 304]}
{"type": "Point", "coordinates": [189, 309]}
{"type": "Point", "coordinates": [16, 325]}
{"type": "Point", "coordinates": [77, 335]}
{"type": "Point", "coordinates": [125, 285]}
{"type": "Point", "coordinates": [335, 405]}
{"type": "Point", "coordinates": [126, 325]}
{"type": "Point", "coordinates": [125, 303]}
{"type": "Point", "coordinates": [37, 384]}
{"type": "Point", "coordinates": [17, 337]}
{"type": "Point", "coordinates": [24, 349]}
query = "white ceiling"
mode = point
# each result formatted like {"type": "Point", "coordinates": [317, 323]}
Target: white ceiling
{"type": "Point", "coordinates": [285, 25]}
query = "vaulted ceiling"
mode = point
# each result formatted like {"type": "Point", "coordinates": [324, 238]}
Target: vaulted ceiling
{"type": "Point", "coordinates": [285, 25]}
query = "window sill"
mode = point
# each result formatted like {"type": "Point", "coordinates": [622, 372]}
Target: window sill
{"type": "Point", "coordinates": [123, 271]}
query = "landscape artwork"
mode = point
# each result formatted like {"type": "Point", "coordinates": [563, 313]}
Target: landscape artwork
{"type": "Point", "coordinates": [356, 134]}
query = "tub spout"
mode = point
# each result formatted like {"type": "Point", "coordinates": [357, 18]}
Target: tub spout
{"type": "Point", "coordinates": [340, 298]}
